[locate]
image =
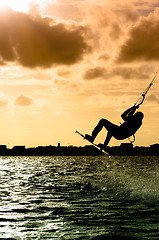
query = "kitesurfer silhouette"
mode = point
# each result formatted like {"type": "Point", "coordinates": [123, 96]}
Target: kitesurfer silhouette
{"type": "Point", "coordinates": [132, 122]}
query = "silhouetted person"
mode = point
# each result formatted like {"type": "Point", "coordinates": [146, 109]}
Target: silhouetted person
{"type": "Point", "coordinates": [132, 122]}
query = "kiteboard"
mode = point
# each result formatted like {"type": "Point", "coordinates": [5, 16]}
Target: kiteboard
{"type": "Point", "coordinates": [95, 145]}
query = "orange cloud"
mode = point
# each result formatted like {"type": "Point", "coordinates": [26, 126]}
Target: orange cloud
{"type": "Point", "coordinates": [95, 73]}
{"type": "Point", "coordinates": [124, 72]}
{"type": "Point", "coordinates": [22, 100]}
{"type": "Point", "coordinates": [3, 103]}
{"type": "Point", "coordinates": [37, 41]}
{"type": "Point", "coordinates": [142, 43]}
{"type": "Point", "coordinates": [153, 98]}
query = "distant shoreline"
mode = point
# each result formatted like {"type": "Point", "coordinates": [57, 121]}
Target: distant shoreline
{"type": "Point", "coordinates": [88, 150]}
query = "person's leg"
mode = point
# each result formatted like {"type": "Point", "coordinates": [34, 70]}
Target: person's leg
{"type": "Point", "coordinates": [102, 123]}
{"type": "Point", "coordinates": [107, 140]}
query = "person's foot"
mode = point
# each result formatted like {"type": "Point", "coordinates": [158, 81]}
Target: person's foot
{"type": "Point", "coordinates": [89, 138]}
{"type": "Point", "coordinates": [102, 146]}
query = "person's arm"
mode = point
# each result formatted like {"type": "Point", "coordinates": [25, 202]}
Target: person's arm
{"type": "Point", "coordinates": [129, 113]}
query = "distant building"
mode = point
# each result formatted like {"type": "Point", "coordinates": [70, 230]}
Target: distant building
{"type": "Point", "coordinates": [126, 149]}
{"type": "Point", "coordinates": [3, 147]}
{"type": "Point", "coordinates": [154, 149]}
{"type": "Point", "coordinates": [19, 148]}
{"type": "Point", "coordinates": [154, 146]}
{"type": "Point", "coordinates": [126, 146]}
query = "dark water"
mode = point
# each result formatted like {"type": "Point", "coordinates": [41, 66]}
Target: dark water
{"type": "Point", "coordinates": [94, 198]}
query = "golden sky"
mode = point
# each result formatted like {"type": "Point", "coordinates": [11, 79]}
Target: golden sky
{"type": "Point", "coordinates": [64, 64]}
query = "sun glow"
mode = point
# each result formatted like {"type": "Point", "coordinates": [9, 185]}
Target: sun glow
{"type": "Point", "coordinates": [17, 5]}
{"type": "Point", "coordinates": [23, 5]}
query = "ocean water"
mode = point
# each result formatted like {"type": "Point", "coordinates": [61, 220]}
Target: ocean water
{"type": "Point", "coordinates": [72, 198]}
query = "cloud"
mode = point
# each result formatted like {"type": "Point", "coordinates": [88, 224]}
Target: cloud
{"type": "Point", "coordinates": [102, 100]}
{"type": "Point", "coordinates": [153, 98]}
{"type": "Point", "coordinates": [124, 72]}
{"type": "Point", "coordinates": [40, 42]}
{"type": "Point", "coordinates": [129, 14]}
{"type": "Point", "coordinates": [4, 99]}
{"type": "Point", "coordinates": [99, 100]}
{"type": "Point", "coordinates": [96, 72]}
{"type": "Point", "coordinates": [66, 85]}
{"type": "Point", "coordinates": [130, 72]}
{"type": "Point", "coordinates": [23, 100]}
{"type": "Point", "coordinates": [3, 103]}
{"type": "Point", "coordinates": [142, 43]}
{"type": "Point", "coordinates": [65, 9]}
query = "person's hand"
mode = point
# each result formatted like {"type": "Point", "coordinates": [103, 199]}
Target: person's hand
{"type": "Point", "coordinates": [136, 106]}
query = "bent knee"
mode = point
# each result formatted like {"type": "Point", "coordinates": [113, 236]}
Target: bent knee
{"type": "Point", "coordinates": [103, 121]}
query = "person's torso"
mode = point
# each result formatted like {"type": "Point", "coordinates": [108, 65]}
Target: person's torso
{"type": "Point", "coordinates": [129, 127]}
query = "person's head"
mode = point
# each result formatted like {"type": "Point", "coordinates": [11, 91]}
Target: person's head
{"type": "Point", "coordinates": [139, 116]}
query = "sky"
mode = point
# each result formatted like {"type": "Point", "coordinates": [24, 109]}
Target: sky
{"type": "Point", "coordinates": [65, 64]}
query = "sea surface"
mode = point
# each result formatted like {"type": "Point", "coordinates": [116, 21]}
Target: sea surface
{"type": "Point", "coordinates": [78, 198]}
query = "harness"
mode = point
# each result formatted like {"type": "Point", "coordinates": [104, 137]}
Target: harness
{"type": "Point", "coordinates": [132, 140]}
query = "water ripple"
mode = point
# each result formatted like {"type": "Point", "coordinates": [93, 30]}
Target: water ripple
{"type": "Point", "coordinates": [79, 198]}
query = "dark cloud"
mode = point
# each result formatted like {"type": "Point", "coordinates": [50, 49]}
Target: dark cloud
{"type": "Point", "coordinates": [23, 100]}
{"type": "Point", "coordinates": [37, 41]}
{"type": "Point", "coordinates": [96, 72]}
{"type": "Point", "coordinates": [124, 72]}
{"type": "Point", "coordinates": [143, 42]}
